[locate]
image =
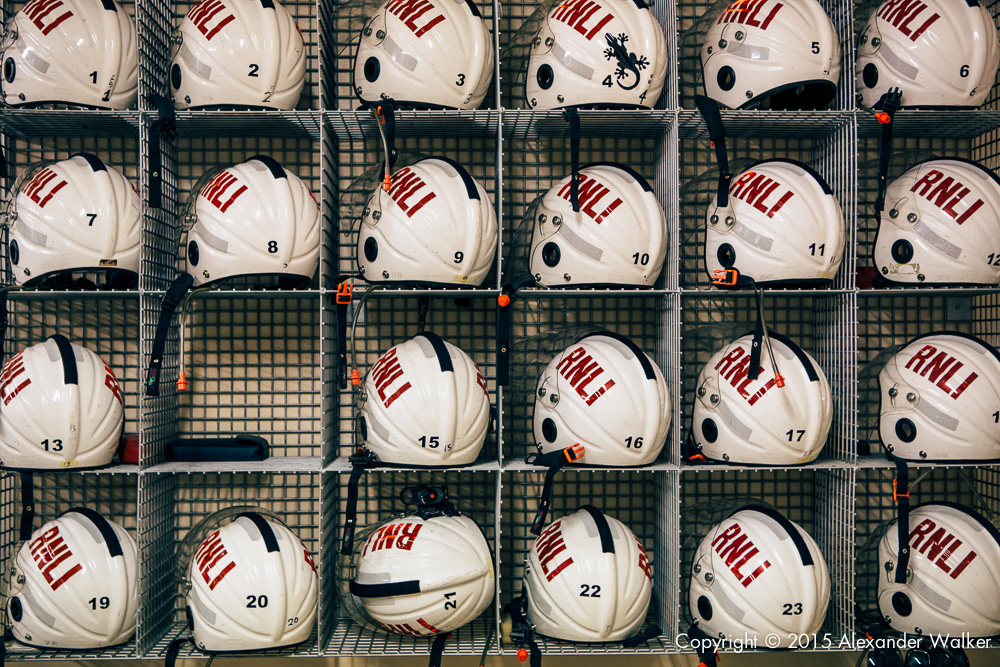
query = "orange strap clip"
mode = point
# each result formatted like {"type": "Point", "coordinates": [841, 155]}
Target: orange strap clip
{"type": "Point", "coordinates": [725, 277]}
{"type": "Point", "coordinates": [883, 118]}
{"type": "Point", "coordinates": [345, 292]}
{"type": "Point", "coordinates": [574, 453]}
{"type": "Point", "coordinates": [897, 496]}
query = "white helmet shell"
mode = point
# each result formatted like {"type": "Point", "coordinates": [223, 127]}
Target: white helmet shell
{"type": "Point", "coordinates": [74, 215]}
{"type": "Point", "coordinates": [938, 53]}
{"type": "Point", "coordinates": [437, 53]}
{"type": "Point", "coordinates": [253, 587]}
{"type": "Point", "coordinates": [62, 407]}
{"type": "Point", "coordinates": [757, 574]}
{"type": "Point", "coordinates": [419, 577]}
{"type": "Point", "coordinates": [590, 53]}
{"type": "Point", "coordinates": [254, 218]}
{"type": "Point", "coordinates": [435, 225]}
{"type": "Point", "coordinates": [71, 52]}
{"type": "Point", "coordinates": [587, 579]}
{"type": "Point", "coordinates": [953, 576]}
{"type": "Point", "coordinates": [618, 237]}
{"type": "Point", "coordinates": [941, 225]}
{"type": "Point", "coordinates": [739, 420]}
{"type": "Point", "coordinates": [787, 53]}
{"type": "Point", "coordinates": [937, 396]}
{"type": "Point", "coordinates": [238, 53]}
{"type": "Point", "coordinates": [605, 393]}
{"type": "Point", "coordinates": [788, 226]}
{"type": "Point", "coordinates": [426, 404]}
{"type": "Point", "coordinates": [80, 584]}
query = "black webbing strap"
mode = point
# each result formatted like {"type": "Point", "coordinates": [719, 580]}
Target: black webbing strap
{"type": "Point", "coordinates": [521, 633]}
{"type": "Point", "coordinates": [573, 116]}
{"type": "Point", "coordinates": [175, 293]}
{"type": "Point", "coordinates": [758, 337]}
{"type": "Point", "coordinates": [554, 461]}
{"type": "Point", "coordinates": [387, 590]}
{"type": "Point", "coordinates": [717, 134]}
{"type": "Point", "coordinates": [345, 292]}
{"type": "Point", "coordinates": [360, 461]}
{"type": "Point", "coordinates": [505, 310]}
{"type": "Point", "coordinates": [708, 657]}
{"type": "Point", "coordinates": [901, 496]}
{"type": "Point", "coordinates": [165, 126]}
{"type": "Point", "coordinates": [3, 325]}
{"type": "Point", "coordinates": [651, 632]}
{"type": "Point", "coordinates": [890, 105]}
{"type": "Point", "coordinates": [4, 169]}
{"type": "Point", "coordinates": [437, 649]}
{"type": "Point", "coordinates": [174, 650]}
{"type": "Point", "coordinates": [27, 505]}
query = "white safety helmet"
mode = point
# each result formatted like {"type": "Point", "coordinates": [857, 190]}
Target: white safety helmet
{"type": "Point", "coordinates": [425, 403]}
{"type": "Point", "coordinates": [73, 215]}
{"type": "Point", "coordinates": [938, 53]}
{"type": "Point", "coordinates": [421, 576]}
{"type": "Point", "coordinates": [253, 218]}
{"type": "Point", "coordinates": [785, 54]}
{"type": "Point", "coordinates": [62, 407]}
{"type": "Point", "coordinates": [253, 587]}
{"type": "Point", "coordinates": [952, 578]}
{"type": "Point", "coordinates": [435, 224]}
{"type": "Point", "coordinates": [587, 579]}
{"type": "Point", "coordinates": [597, 53]}
{"type": "Point", "coordinates": [941, 226]}
{"type": "Point", "coordinates": [757, 574]}
{"type": "Point", "coordinates": [71, 52]}
{"type": "Point", "coordinates": [438, 53]}
{"type": "Point", "coordinates": [74, 585]}
{"type": "Point", "coordinates": [618, 237]}
{"type": "Point", "coordinates": [237, 53]}
{"type": "Point", "coordinates": [605, 393]}
{"type": "Point", "coordinates": [938, 396]}
{"type": "Point", "coordinates": [783, 226]}
{"type": "Point", "coordinates": [768, 421]}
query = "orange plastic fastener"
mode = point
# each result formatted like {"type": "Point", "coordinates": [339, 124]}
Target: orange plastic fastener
{"type": "Point", "coordinates": [883, 118]}
{"type": "Point", "coordinates": [182, 383]}
{"type": "Point", "coordinates": [503, 300]}
{"type": "Point", "coordinates": [355, 377]}
{"type": "Point", "coordinates": [725, 277]}
{"type": "Point", "coordinates": [387, 182]}
{"type": "Point", "coordinates": [778, 380]}
{"type": "Point", "coordinates": [897, 496]}
{"type": "Point", "coordinates": [345, 291]}
{"type": "Point", "coordinates": [522, 654]}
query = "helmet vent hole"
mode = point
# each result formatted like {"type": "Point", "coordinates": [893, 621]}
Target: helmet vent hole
{"type": "Point", "coordinates": [726, 255]}
{"type": "Point", "coordinates": [14, 252]}
{"type": "Point", "coordinates": [906, 430]}
{"type": "Point", "coordinates": [704, 608]}
{"type": "Point", "coordinates": [549, 430]}
{"type": "Point", "coordinates": [726, 78]}
{"type": "Point", "coordinates": [371, 249]}
{"type": "Point", "coordinates": [902, 251]}
{"type": "Point", "coordinates": [15, 609]}
{"type": "Point", "coordinates": [364, 429]}
{"type": "Point", "coordinates": [175, 76]}
{"type": "Point", "coordinates": [372, 69]}
{"type": "Point", "coordinates": [544, 77]}
{"type": "Point", "coordinates": [550, 254]}
{"type": "Point", "coordinates": [9, 70]}
{"type": "Point", "coordinates": [709, 430]}
{"type": "Point", "coordinates": [901, 603]}
{"type": "Point", "coordinates": [870, 75]}
{"type": "Point", "coordinates": [193, 253]}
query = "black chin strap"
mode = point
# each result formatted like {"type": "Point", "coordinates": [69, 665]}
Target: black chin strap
{"type": "Point", "coordinates": [27, 506]}
{"type": "Point", "coordinates": [554, 461]}
{"type": "Point", "coordinates": [709, 109]}
{"type": "Point", "coordinates": [164, 126]}
{"type": "Point", "coordinates": [651, 632]}
{"type": "Point", "coordinates": [505, 309]}
{"type": "Point", "coordinates": [175, 293]}
{"type": "Point", "coordinates": [890, 105]}
{"type": "Point", "coordinates": [573, 116]}
{"type": "Point", "coordinates": [521, 632]}
{"type": "Point", "coordinates": [437, 648]}
{"type": "Point", "coordinates": [901, 496]}
{"type": "Point", "coordinates": [345, 292]}
{"type": "Point", "coordinates": [173, 651]}
{"type": "Point", "coordinates": [3, 325]}
{"type": "Point", "coordinates": [708, 657]}
{"type": "Point", "coordinates": [360, 461]}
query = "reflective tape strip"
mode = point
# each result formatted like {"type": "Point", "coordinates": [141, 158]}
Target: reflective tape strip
{"type": "Point", "coordinates": [897, 63]}
{"type": "Point", "coordinates": [401, 57]}
{"type": "Point", "coordinates": [198, 67]}
{"type": "Point", "coordinates": [940, 418]}
{"type": "Point", "coordinates": [752, 237]}
{"type": "Point", "coordinates": [570, 63]}
{"type": "Point", "coordinates": [936, 240]}
{"type": "Point", "coordinates": [211, 239]}
{"type": "Point", "coordinates": [738, 427]}
{"type": "Point", "coordinates": [576, 241]}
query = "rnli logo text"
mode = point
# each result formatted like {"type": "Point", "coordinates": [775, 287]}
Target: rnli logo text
{"type": "Point", "coordinates": [902, 14]}
{"type": "Point", "coordinates": [209, 17]}
{"type": "Point", "coordinates": [386, 371]}
{"type": "Point", "coordinates": [580, 369]}
{"type": "Point", "coordinates": [393, 536]}
{"type": "Point", "coordinates": [576, 13]}
{"type": "Point", "coordinates": [13, 379]}
{"type": "Point", "coordinates": [550, 547]}
{"type": "Point", "coordinates": [411, 11]}
{"type": "Point", "coordinates": [735, 368]}
{"type": "Point", "coordinates": [39, 10]}
{"type": "Point", "coordinates": [215, 191]}
{"type": "Point", "coordinates": [111, 382]}
{"type": "Point", "coordinates": [644, 560]}
{"type": "Point", "coordinates": [406, 185]}
{"type": "Point", "coordinates": [41, 188]}
{"type": "Point", "coordinates": [408, 630]}
{"type": "Point", "coordinates": [736, 549]}
{"type": "Point", "coordinates": [213, 561]}
{"type": "Point", "coordinates": [756, 189]}
{"type": "Point", "coordinates": [591, 194]}
{"type": "Point", "coordinates": [938, 546]}
{"type": "Point", "coordinates": [50, 551]}
{"type": "Point", "coordinates": [748, 13]}
{"type": "Point", "coordinates": [945, 193]}
{"type": "Point", "coordinates": [939, 368]}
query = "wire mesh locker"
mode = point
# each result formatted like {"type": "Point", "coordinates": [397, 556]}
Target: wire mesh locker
{"type": "Point", "coordinates": [630, 496]}
{"type": "Point", "coordinates": [174, 503]}
{"type": "Point", "coordinates": [112, 494]}
{"type": "Point", "coordinates": [473, 492]}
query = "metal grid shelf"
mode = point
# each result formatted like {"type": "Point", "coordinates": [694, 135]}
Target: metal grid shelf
{"type": "Point", "coordinates": [60, 295]}
{"type": "Point", "coordinates": [926, 291]}
{"type": "Point", "coordinates": [550, 646]}
{"type": "Point", "coordinates": [518, 465]}
{"type": "Point", "coordinates": [876, 462]}
{"type": "Point", "coordinates": [714, 293]}
{"type": "Point", "coordinates": [20, 653]}
{"type": "Point", "coordinates": [274, 464]}
{"type": "Point", "coordinates": [777, 124]}
{"type": "Point", "coordinates": [28, 123]}
{"type": "Point", "coordinates": [343, 464]}
{"type": "Point", "coordinates": [360, 125]}
{"type": "Point", "coordinates": [303, 124]}
{"type": "Point", "coordinates": [351, 638]}
{"type": "Point", "coordinates": [521, 124]}
{"type": "Point", "coordinates": [915, 123]}
{"type": "Point", "coordinates": [822, 463]}
{"type": "Point", "coordinates": [307, 649]}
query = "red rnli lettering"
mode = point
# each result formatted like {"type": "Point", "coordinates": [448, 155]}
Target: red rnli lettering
{"type": "Point", "coordinates": [939, 368]}
{"type": "Point", "coordinates": [946, 193]}
{"type": "Point", "coordinates": [481, 381]}
{"type": "Point", "coordinates": [735, 369]}
{"type": "Point", "coordinates": [11, 380]}
{"type": "Point", "coordinates": [747, 11]}
{"type": "Point", "coordinates": [754, 189]}
{"type": "Point", "coordinates": [737, 550]}
{"type": "Point", "coordinates": [205, 12]}
{"type": "Point", "coordinates": [938, 546]}
{"type": "Point", "coordinates": [644, 560]}
{"type": "Point", "coordinates": [580, 369]}
{"type": "Point", "coordinates": [393, 536]}
{"type": "Point", "coordinates": [309, 558]}
{"type": "Point", "coordinates": [215, 191]}
{"type": "Point", "coordinates": [590, 194]}
{"type": "Point", "coordinates": [409, 11]}
{"type": "Point", "coordinates": [49, 552]}
{"type": "Point", "coordinates": [901, 13]}
{"type": "Point", "coordinates": [549, 545]}
{"type": "Point", "coordinates": [35, 186]}
{"type": "Point", "coordinates": [576, 13]}
{"type": "Point", "coordinates": [111, 382]}
{"type": "Point", "coordinates": [405, 184]}
{"type": "Point", "coordinates": [38, 11]}
{"type": "Point", "coordinates": [210, 554]}
{"type": "Point", "coordinates": [386, 371]}
{"type": "Point", "coordinates": [402, 628]}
